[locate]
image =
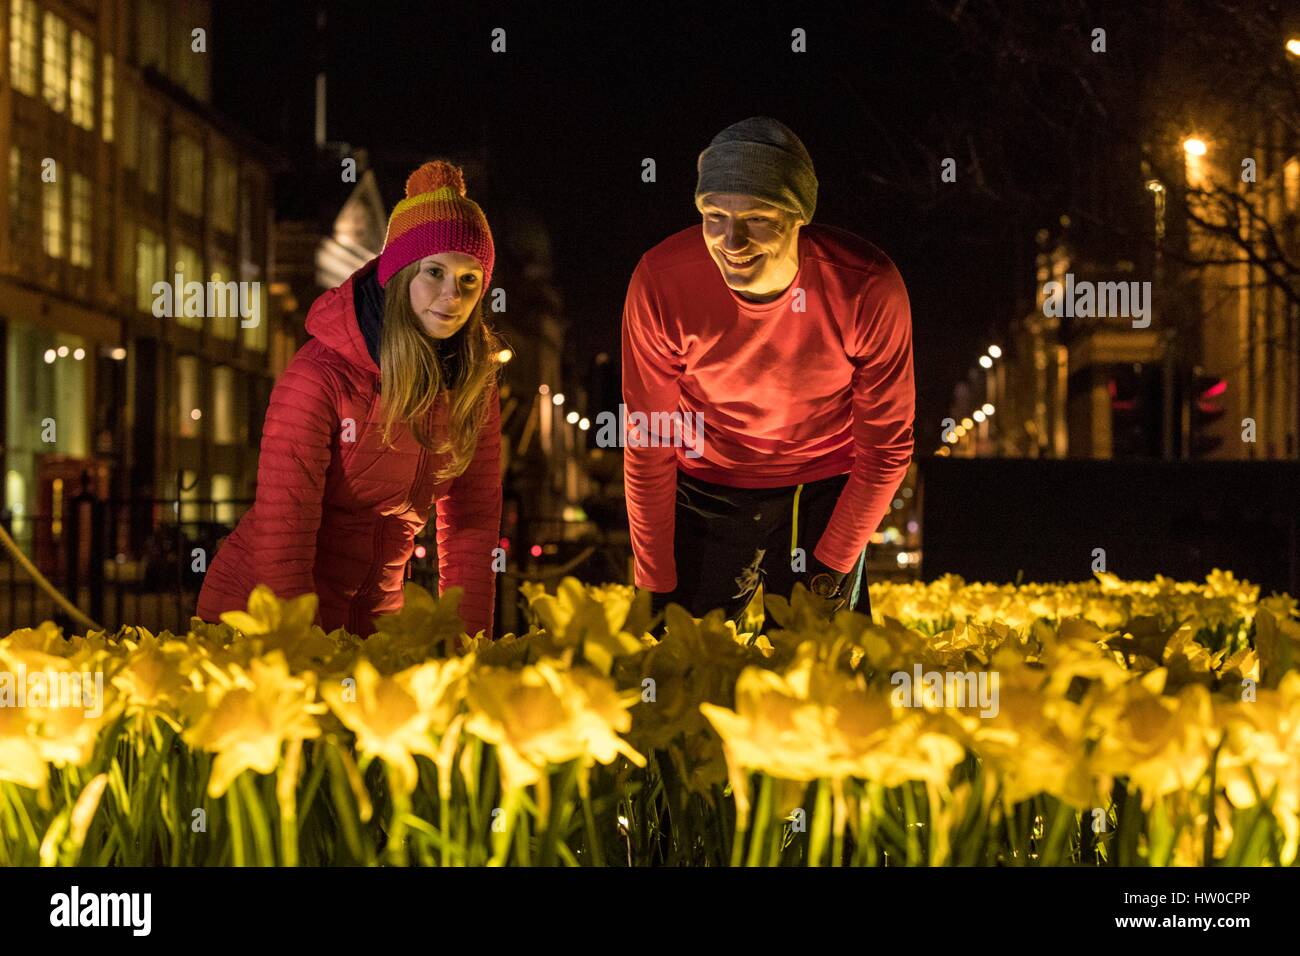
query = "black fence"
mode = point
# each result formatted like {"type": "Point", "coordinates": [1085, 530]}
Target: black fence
{"type": "Point", "coordinates": [120, 561]}
{"type": "Point", "coordinates": [131, 561]}
{"type": "Point", "coordinates": [997, 519]}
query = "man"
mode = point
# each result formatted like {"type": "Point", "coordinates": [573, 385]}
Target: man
{"type": "Point", "coordinates": [767, 379]}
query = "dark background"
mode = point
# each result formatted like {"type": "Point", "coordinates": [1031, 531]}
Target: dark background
{"type": "Point", "coordinates": [586, 91]}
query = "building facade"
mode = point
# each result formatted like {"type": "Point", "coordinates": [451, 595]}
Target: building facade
{"type": "Point", "coordinates": [140, 336]}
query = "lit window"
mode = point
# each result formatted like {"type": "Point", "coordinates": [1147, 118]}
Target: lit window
{"type": "Point", "coordinates": [187, 175]}
{"type": "Point", "coordinates": [52, 219]}
{"type": "Point", "coordinates": [106, 118]}
{"type": "Point", "coordinates": [187, 397]}
{"type": "Point", "coordinates": [225, 300]}
{"type": "Point", "coordinates": [83, 80]}
{"type": "Point", "coordinates": [223, 493]}
{"type": "Point", "coordinates": [54, 71]}
{"type": "Point", "coordinates": [22, 197]}
{"type": "Point", "coordinates": [189, 498]}
{"type": "Point", "coordinates": [255, 335]}
{"type": "Point", "coordinates": [190, 266]}
{"type": "Point", "coordinates": [22, 46]}
{"type": "Point", "coordinates": [79, 231]}
{"type": "Point", "coordinates": [223, 405]}
{"type": "Point", "coordinates": [149, 267]}
{"type": "Point", "coordinates": [225, 193]}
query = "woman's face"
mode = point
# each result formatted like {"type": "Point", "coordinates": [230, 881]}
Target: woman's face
{"type": "Point", "coordinates": [444, 292]}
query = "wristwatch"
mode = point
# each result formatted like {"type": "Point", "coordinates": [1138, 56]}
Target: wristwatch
{"type": "Point", "coordinates": [824, 585]}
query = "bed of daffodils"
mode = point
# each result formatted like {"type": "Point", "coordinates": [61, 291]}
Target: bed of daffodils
{"type": "Point", "coordinates": [1099, 723]}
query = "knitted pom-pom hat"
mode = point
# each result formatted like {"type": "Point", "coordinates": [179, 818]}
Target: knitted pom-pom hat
{"type": "Point", "coordinates": [436, 217]}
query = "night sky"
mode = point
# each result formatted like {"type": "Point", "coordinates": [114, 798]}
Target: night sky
{"type": "Point", "coordinates": [567, 114]}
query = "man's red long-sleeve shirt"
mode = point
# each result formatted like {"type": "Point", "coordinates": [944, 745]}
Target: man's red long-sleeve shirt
{"type": "Point", "coordinates": [815, 383]}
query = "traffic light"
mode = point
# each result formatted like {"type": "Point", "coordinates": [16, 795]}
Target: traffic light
{"type": "Point", "coordinates": [1207, 408]}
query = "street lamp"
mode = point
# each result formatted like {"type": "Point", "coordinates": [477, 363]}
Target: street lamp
{"type": "Point", "coordinates": [558, 398]}
{"type": "Point", "coordinates": [986, 361]}
{"type": "Point", "coordinates": [1194, 146]}
{"type": "Point", "coordinates": [1293, 47]}
{"type": "Point", "coordinates": [995, 351]}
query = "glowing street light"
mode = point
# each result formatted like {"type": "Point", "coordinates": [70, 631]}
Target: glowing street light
{"type": "Point", "coordinates": [584, 423]}
{"type": "Point", "coordinates": [505, 355]}
{"type": "Point", "coordinates": [558, 398]}
{"type": "Point", "coordinates": [543, 389]}
{"type": "Point", "coordinates": [978, 415]}
{"type": "Point", "coordinates": [995, 351]}
{"type": "Point", "coordinates": [986, 361]}
{"type": "Point", "coordinates": [987, 408]}
{"type": "Point", "coordinates": [1293, 46]}
{"type": "Point", "coordinates": [1193, 146]}
{"type": "Point", "coordinates": [967, 424]}
{"type": "Point", "coordinates": [572, 418]}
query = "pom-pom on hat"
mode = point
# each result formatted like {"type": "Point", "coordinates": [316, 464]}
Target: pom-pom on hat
{"type": "Point", "coordinates": [436, 217]}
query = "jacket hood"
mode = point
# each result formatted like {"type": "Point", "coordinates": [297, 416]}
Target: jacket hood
{"type": "Point", "coordinates": [332, 320]}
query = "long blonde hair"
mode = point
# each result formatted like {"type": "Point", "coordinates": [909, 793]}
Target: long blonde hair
{"type": "Point", "coordinates": [411, 377]}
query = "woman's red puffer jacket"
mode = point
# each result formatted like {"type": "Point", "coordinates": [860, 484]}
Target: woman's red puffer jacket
{"type": "Point", "coordinates": [336, 512]}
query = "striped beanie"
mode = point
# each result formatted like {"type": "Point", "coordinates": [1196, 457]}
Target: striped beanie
{"type": "Point", "coordinates": [435, 217]}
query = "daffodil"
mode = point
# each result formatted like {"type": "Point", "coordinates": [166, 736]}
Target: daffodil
{"type": "Point", "coordinates": [386, 718]}
{"type": "Point", "coordinates": [538, 716]}
{"type": "Point", "coordinates": [249, 715]}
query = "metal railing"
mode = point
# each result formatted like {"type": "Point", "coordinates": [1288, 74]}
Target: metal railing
{"type": "Point", "coordinates": [132, 562]}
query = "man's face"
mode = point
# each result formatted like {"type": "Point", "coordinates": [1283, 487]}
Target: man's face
{"type": "Point", "coordinates": [752, 242]}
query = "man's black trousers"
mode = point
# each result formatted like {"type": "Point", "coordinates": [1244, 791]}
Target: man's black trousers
{"type": "Point", "coordinates": [728, 539]}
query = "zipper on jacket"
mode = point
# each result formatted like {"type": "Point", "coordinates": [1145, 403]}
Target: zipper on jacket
{"type": "Point", "coordinates": [415, 484]}
{"type": "Point", "coordinates": [376, 562]}
{"type": "Point", "coordinates": [419, 469]}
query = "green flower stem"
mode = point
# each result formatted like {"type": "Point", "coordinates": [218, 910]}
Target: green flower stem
{"type": "Point", "coordinates": [236, 827]}
{"type": "Point", "coordinates": [257, 818]}
{"type": "Point", "coordinates": [821, 824]}
{"type": "Point", "coordinates": [760, 821]}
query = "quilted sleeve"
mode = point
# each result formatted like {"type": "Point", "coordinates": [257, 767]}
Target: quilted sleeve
{"type": "Point", "coordinates": [469, 526]}
{"type": "Point", "coordinates": [301, 422]}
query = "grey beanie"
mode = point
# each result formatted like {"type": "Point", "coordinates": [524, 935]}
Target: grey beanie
{"type": "Point", "coordinates": [759, 157]}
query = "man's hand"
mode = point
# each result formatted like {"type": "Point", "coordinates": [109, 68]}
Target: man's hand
{"type": "Point", "coordinates": [658, 601]}
{"type": "Point", "coordinates": [826, 585]}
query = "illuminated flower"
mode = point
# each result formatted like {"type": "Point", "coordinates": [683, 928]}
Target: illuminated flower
{"type": "Point", "coordinates": [1161, 743]}
{"type": "Point", "coordinates": [249, 714]}
{"type": "Point", "coordinates": [540, 715]}
{"type": "Point", "coordinates": [271, 624]}
{"type": "Point", "coordinates": [387, 719]}
{"type": "Point", "coordinates": [152, 680]}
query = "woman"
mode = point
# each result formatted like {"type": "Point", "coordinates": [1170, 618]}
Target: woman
{"type": "Point", "coordinates": [390, 407]}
